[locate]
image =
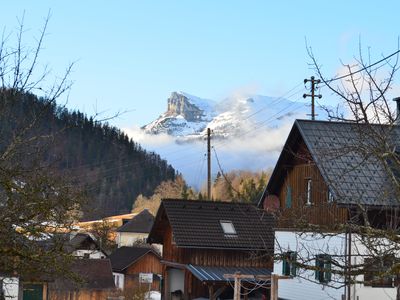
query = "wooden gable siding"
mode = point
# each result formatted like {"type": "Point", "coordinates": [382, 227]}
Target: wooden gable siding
{"type": "Point", "coordinates": [212, 257]}
{"type": "Point", "coordinates": [320, 211]}
{"type": "Point", "coordinates": [149, 263]}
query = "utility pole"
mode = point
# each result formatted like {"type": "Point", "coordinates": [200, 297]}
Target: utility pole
{"type": "Point", "coordinates": [314, 82]}
{"type": "Point", "coordinates": [209, 163]}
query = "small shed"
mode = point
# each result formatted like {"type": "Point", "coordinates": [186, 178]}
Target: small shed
{"type": "Point", "coordinates": [95, 281]}
{"type": "Point", "coordinates": [130, 263]}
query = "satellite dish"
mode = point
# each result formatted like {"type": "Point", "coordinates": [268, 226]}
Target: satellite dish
{"type": "Point", "coordinates": [271, 203]}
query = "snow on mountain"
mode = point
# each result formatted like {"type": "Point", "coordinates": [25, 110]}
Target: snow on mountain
{"type": "Point", "coordinates": [254, 129]}
{"type": "Point", "coordinates": [188, 117]}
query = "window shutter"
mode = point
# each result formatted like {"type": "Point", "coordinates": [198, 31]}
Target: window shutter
{"type": "Point", "coordinates": [328, 268]}
{"type": "Point", "coordinates": [293, 263]}
{"type": "Point", "coordinates": [285, 265]}
{"type": "Point", "coordinates": [320, 267]}
{"type": "Point", "coordinates": [317, 268]}
{"type": "Point", "coordinates": [288, 197]}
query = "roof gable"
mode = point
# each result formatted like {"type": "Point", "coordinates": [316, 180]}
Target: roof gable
{"type": "Point", "coordinates": [342, 153]}
{"type": "Point", "coordinates": [197, 224]}
{"type": "Point", "coordinates": [124, 257]}
{"type": "Point", "coordinates": [141, 223]}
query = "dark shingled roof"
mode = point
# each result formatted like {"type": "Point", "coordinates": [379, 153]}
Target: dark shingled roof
{"type": "Point", "coordinates": [123, 257]}
{"type": "Point", "coordinates": [141, 223]}
{"type": "Point", "coordinates": [342, 153]}
{"type": "Point", "coordinates": [79, 241]}
{"type": "Point", "coordinates": [96, 274]}
{"type": "Point", "coordinates": [196, 224]}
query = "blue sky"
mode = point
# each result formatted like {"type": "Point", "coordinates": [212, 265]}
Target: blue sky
{"type": "Point", "coordinates": [130, 55]}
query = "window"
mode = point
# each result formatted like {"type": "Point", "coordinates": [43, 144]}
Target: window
{"type": "Point", "coordinates": [308, 192]}
{"type": "Point", "coordinates": [330, 196]}
{"type": "Point", "coordinates": [228, 227]}
{"type": "Point", "coordinates": [288, 197]}
{"type": "Point", "coordinates": [289, 263]}
{"type": "Point", "coordinates": [374, 266]}
{"type": "Point", "coordinates": [323, 264]}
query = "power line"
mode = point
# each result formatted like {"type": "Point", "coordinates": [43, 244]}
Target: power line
{"type": "Point", "coordinates": [276, 100]}
{"type": "Point", "coordinates": [223, 174]}
{"type": "Point", "coordinates": [362, 69]}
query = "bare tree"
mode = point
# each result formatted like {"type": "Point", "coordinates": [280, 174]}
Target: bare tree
{"type": "Point", "coordinates": [36, 202]}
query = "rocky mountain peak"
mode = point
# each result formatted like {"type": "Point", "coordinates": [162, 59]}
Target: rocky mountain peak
{"type": "Point", "coordinates": [188, 116]}
{"type": "Point", "coordinates": [179, 104]}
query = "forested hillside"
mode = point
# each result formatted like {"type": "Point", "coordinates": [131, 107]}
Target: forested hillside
{"type": "Point", "coordinates": [111, 168]}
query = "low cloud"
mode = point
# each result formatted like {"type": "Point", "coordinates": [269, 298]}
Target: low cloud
{"type": "Point", "coordinates": [151, 140]}
{"type": "Point", "coordinates": [253, 151]}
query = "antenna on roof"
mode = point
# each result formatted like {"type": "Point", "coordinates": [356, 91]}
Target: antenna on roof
{"type": "Point", "coordinates": [314, 82]}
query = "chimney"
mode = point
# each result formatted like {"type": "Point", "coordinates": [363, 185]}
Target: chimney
{"type": "Point", "coordinates": [397, 120]}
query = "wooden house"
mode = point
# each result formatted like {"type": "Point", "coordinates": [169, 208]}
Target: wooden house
{"type": "Point", "coordinates": [203, 241]}
{"type": "Point", "coordinates": [323, 178]}
{"type": "Point", "coordinates": [128, 263]}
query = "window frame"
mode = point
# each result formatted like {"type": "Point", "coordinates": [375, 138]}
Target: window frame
{"type": "Point", "coordinates": [228, 231]}
{"type": "Point", "coordinates": [329, 196]}
{"type": "Point", "coordinates": [289, 263]}
{"type": "Point", "coordinates": [308, 191]}
{"type": "Point", "coordinates": [323, 265]}
{"type": "Point", "coordinates": [374, 280]}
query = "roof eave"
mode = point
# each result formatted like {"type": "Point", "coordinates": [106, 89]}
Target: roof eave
{"type": "Point", "coordinates": [275, 173]}
{"type": "Point", "coordinates": [223, 248]}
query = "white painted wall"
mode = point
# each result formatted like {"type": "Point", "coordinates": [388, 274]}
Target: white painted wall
{"type": "Point", "coordinates": [130, 238]}
{"type": "Point", "coordinates": [176, 280]}
{"type": "Point", "coordinates": [119, 280]}
{"type": "Point", "coordinates": [93, 254]}
{"type": "Point", "coordinates": [10, 288]}
{"type": "Point", "coordinates": [304, 285]}
{"type": "Point", "coordinates": [362, 292]}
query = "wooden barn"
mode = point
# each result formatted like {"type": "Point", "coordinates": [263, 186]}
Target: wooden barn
{"type": "Point", "coordinates": [129, 262]}
{"type": "Point", "coordinates": [95, 282]}
{"type": "Point", "coordinates": [204, 240]}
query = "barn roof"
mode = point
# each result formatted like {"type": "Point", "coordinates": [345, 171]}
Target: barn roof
{"type": "Point", "coordinates": [93, 274]}
{"type": "Point", "coordinates": [141, 223]}
{"type": "Point", "coordinates": [346, 155]}
{"type": "Point", "coordinates": [200, 224]}
{"type": "Point", "coordinates": [124, 257]}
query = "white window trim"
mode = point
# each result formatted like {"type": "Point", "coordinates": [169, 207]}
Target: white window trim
{"type": "Point", "coordinates": [309, 191]}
